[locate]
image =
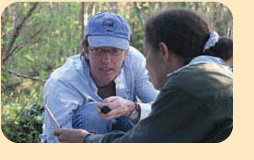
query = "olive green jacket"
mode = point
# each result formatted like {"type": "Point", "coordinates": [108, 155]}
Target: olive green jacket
{"type": "Point", "coordinates": [195, 105]}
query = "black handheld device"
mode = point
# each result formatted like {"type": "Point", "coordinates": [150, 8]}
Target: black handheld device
{"type": "Point", "coordinates": [105, 109]}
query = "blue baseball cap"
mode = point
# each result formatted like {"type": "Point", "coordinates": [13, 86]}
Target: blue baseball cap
{"type": "Point", "coordinates": [108, 29]}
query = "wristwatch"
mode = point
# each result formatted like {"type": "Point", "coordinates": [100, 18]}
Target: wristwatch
{"type": "Point", "coordinates": [135, 113]}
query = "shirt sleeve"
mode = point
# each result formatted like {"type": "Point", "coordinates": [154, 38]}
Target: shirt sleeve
{"type": "Point", "coordinates": [145, 109]}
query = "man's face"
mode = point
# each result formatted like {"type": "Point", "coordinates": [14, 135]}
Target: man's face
{"type": "Point", "coordinates": [105, 63]}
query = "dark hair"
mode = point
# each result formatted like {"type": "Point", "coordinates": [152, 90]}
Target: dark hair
{"type": "Point", "coordinates": [84, 44]}
{"type": "Point", "coordinates": [223, 48]}
{"type": "Point", "coordinates": [183, 31]}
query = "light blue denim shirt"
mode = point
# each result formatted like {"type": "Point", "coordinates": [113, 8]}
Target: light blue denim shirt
{"type": "Point", "coordinates": [71, 86]}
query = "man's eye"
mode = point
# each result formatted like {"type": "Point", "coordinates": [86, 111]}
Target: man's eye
{"type": "Point", "coordinates": [97, 49]}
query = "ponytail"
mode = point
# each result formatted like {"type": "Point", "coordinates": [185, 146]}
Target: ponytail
{"type": "Point", "coordinates": [222, 49]}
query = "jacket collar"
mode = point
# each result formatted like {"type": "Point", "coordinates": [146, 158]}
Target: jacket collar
{"type": "Point", "coordinates": [203, 59]}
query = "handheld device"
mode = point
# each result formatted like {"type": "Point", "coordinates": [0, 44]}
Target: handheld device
{"type": "Point", "coordinates": [105, 109]}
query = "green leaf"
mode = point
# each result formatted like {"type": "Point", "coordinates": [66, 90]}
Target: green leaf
{"type": "Point", "coordinates": [29, 57]}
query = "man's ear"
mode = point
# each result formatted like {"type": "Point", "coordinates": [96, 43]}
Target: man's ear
{"type": "Point", "coordinates": [126, 52]}
{"type": "Point", "coordinates": [165, 51]}
{"type": "Point", "coordinates": [85, 51]}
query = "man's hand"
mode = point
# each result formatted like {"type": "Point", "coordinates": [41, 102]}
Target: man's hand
{"type": "Point", "coordinates": [118, 106]}
{"type": "Point", "coordinates": [71, 135]}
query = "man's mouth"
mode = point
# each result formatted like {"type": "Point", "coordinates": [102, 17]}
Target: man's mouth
{"type": "Point", "coordinates": [106, 69]}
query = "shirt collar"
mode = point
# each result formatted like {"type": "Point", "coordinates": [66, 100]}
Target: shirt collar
{"type": "Point", "coordinates": [204, 59]}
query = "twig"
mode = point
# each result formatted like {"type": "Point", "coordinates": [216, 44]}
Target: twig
{"type": "Point", "coordinates": [16, 49]}
{"type": "Point", "coordinates": [16, 31]}
{"type": "Point", "coordinates": [24, 76]}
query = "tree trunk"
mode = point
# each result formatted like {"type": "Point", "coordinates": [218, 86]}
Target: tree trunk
{"type": "Point", "coordinates": [115, 7]}
{"type": "Point", "coordinates": [93, 8]}
{"type": "Point", "coordinates": [82, 19]}
{"type": "Point", "coordinates": [140, 14]}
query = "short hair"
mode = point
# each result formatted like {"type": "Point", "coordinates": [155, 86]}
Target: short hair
{"type": "Point", "coordinates": [84, 44]}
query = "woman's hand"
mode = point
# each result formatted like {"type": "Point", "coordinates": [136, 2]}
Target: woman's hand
{"type": "Point", "coordinates": [71, 135]}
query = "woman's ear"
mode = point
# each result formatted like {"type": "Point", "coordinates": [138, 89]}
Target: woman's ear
{"type": "Point", "coordinates": [165, 51]}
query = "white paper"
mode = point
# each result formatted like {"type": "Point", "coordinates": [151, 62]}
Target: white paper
{"type": "Point", "coordinates": [52, 119]}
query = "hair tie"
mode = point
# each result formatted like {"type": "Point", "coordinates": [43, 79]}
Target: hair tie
{"type": "Point", "coordinates": [213, 39]}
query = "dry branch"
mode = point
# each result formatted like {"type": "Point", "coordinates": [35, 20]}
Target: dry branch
{"type": "Point", "coordinates": [15, 33]}
{"type": "Point", "coordinates": [16, 49]}
{"type": "Point", "coordinates": [24, 76]}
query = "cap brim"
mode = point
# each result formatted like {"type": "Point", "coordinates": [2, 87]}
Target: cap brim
{"type": "Point", "coordinates": [108, 41]}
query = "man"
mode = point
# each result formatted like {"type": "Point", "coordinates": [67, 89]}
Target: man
{"type": "Point", "coordinates": [109, 72]}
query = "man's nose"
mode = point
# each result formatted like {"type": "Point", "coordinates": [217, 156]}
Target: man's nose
{"type": "Point", "coordinates": [106, 57]}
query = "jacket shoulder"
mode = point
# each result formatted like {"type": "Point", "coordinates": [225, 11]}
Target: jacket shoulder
{"type": "Point", "coordinates": [201, 80]}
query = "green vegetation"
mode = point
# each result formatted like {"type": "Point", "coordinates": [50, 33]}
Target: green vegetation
{"type": "Point", "coordinates": [50, 35]}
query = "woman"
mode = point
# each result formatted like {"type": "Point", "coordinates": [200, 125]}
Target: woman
{"type": "Point", "coordinates": [195, 103]}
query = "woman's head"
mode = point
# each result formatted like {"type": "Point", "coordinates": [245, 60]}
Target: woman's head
{"type": "Point", "coordinates": [174, 38]}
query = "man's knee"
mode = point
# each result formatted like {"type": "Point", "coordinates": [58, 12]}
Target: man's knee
{"type": "Point", "coordinates": [87, 117]}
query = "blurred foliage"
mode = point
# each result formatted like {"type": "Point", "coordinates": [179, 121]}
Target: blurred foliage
{"type": "Point", "coordinates": [22, 99]}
